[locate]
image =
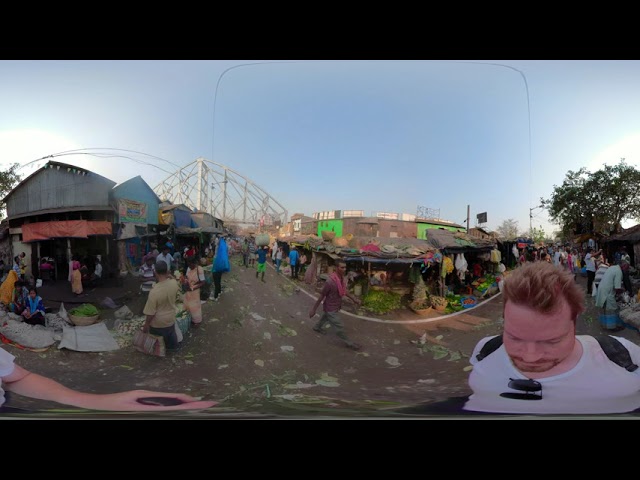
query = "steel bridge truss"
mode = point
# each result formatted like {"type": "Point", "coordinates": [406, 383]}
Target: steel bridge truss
{"type": "Point", "coordinates": [222, 192]}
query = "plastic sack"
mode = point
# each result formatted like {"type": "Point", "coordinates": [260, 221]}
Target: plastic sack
{"type": "Point", "coordinates": [178, 332]}
{"type": "Point", "coordinates": [149, 344]}
{"type": "Point", "coordinates": [62, 313]}
{"type": "Point", "coordinates": [123, 313]}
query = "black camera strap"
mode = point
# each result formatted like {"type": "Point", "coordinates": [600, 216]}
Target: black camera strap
{"type": "Point", "coordinates": [612, 347]}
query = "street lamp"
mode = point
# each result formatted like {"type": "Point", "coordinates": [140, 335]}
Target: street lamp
{"type": "Point", "coordinates": [531, 217]}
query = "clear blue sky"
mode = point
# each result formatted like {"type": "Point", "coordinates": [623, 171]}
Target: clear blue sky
{"type": "Point", "coordinates": [324, 135]}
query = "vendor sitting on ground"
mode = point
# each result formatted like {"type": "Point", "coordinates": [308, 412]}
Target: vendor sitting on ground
{"type": "Point", "coordinates": [147, 275]}
{"type": "Point", "coordinates": [33, 312]}
{"type": "Point", "coordinates": [18, 298]}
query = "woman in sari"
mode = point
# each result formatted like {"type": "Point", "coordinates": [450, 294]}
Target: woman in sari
{"type": "Point", "coordinates": [6, 289]}
{"type": "Point", "coordinates": [76, 279]}
{"type": "Point", "coordinates": [193, 281]}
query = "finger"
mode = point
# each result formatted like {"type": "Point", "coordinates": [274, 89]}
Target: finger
{"type": "Point", "coordinates": [200, 405]}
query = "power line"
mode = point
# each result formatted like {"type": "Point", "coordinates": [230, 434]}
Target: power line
{"type": "Point", "coordinates": [103, 155]}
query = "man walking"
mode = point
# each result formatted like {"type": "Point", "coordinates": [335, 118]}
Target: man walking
{"type": "Point", "coordinates": [160, 308]}
{"type": "Point", "coordinates": [334, 289]}
{"type": "Point", "coordinates": [262, 261]}
{"type": "Point", "coordinates": [590, 263]}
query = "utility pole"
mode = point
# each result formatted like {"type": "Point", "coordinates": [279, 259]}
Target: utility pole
{"type": "Point", "coordinates": [468, 216]}
{"type": "Point", "coordinates": [531, 218]}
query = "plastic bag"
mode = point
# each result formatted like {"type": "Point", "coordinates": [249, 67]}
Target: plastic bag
{"type": "Point", "coordinates": [149, 344]}
{"type": "Point", "coordinates": [123, 313]}
{"type": "Point", "coordinates": [63, 313]}
{"type": "Point", "coordinates": [109, 303]}
{"type": "Point", "coordinates": [178, 332]}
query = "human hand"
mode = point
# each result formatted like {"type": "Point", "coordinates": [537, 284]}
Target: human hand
{"type": "Point", "coordinates": [134, 401]}
{"type": "Point", "coordinates": [145, 328]}
{"type": "Point", "coordinates": [312, 313]}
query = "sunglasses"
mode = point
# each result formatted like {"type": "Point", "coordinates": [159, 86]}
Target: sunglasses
{"type": "Point", "coordinates": [528, 386]}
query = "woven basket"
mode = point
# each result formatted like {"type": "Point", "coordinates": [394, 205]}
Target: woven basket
{"type": "Point", "coordinates": [420, 311]}
{"type": "Point", "coordinates": [83, 321]}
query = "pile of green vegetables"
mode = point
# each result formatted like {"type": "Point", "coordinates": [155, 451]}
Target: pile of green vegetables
{"type": "Point", "coordinates": [84, 310]}
{"type": "Point", "coordinates": [454, 303]}
{"type": "Point", "coordinates": [381, 302]}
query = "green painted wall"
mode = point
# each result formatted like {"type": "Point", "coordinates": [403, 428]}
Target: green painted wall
{"type": "Point", "coordinates": [331, 225]}
{"type": "Point", "coordinates": [423, 227]}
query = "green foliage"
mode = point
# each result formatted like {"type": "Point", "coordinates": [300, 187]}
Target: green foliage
{"type": "Point", "coordinates": [8, 179]}
{"type": "Point", "coordinates": [381, 302]}
{"type": "Point", "coordinates": [595, 202]}
{"type": "Point", "coordinates": [84, 310]}
{"type": "Point", "coordinates": [537, 235]}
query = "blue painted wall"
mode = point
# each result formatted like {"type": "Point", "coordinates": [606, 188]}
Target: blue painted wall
{"type": "Point", "coordinates": [137, 189]}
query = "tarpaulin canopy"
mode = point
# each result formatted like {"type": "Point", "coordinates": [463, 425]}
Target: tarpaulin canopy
{"type": "Point", "coordinates": [33, 232]}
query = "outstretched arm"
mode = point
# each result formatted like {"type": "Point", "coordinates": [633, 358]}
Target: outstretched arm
{"type": "Point", "coordinates": [312, 312]}
{"type": "Point", "coordinates": [354, 299]}
{"type": "Point", "coordinates": [32, 385]}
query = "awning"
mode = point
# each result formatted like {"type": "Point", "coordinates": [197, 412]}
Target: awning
{"type": "Point", "coordinates": [382, 260]}
{"type": "Point", "coordinates": [33, 232]}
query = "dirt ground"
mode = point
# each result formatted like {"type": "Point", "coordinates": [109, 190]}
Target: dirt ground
{"type": "Point", "coordinates": [256, 354]}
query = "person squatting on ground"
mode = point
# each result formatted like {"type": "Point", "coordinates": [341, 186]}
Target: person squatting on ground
{"type": "Point", "coordinates": [33, 312]}
{"type": "Point", "coordinates": [262, 261]}
{"type": "Point", "coordinates": [18, 298]}
{"type": "Point", "coordinates": [160, 309]}
{"type": "Point", "coordinates": [334, 289]}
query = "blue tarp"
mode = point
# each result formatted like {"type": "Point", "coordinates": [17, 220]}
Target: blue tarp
{"type": "Point", "coordinates": [182, 218]}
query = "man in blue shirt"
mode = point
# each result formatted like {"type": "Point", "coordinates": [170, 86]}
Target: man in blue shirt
{"type": "Point", "coordinates": [293, 261]}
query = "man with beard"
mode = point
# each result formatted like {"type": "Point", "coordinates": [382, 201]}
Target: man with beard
{"type": "Point", "coordinates": [542, 366]}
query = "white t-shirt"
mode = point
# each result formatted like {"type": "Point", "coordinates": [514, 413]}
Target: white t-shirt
{"type": "Point", "coordinates": [595, 385]}
{"type": "Point", "coordinates": [168, 259]}
{"type": "Point", "coordinates": [6, 368]}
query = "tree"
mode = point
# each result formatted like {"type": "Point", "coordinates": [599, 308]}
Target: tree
{"type": "Point", "coordinates": [595, 202]}
{"type": "Point", "coordinates": [537, 235]}
{"type": "Point", "coordinates": [508, 229]}
{"type": "Point", "coordinates": [8, 179]}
